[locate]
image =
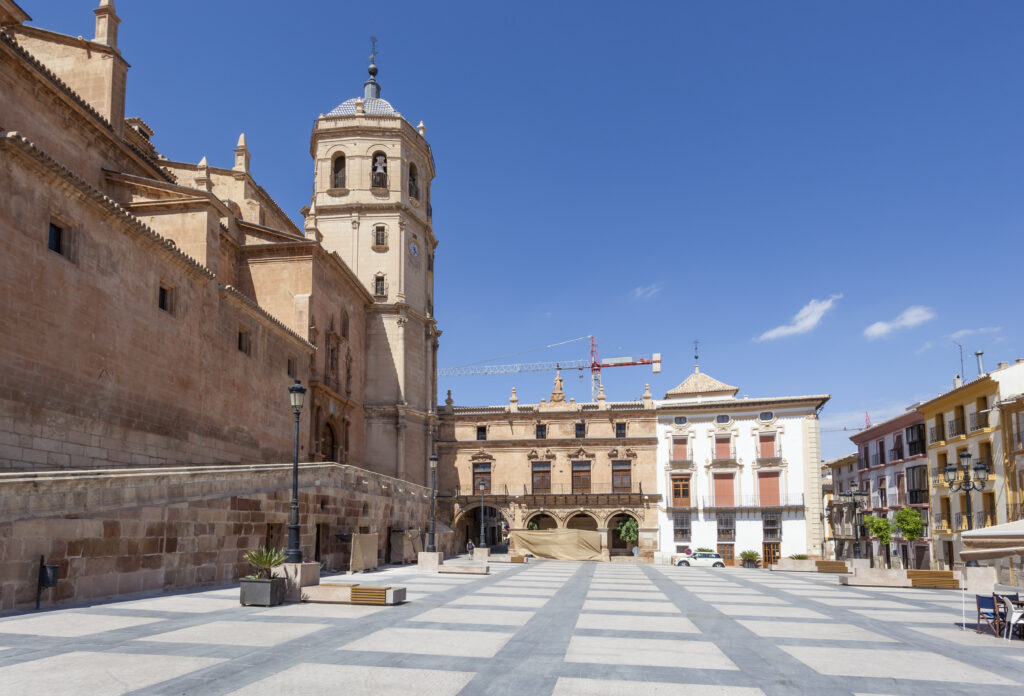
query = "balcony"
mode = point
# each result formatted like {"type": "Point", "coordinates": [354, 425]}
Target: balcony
{"type": "Point", "coordinates": [895, 454]}
{"type": "Point", "coordinates": [782, 500]}
{"type": "Point", "coordinates": [955, 427]}
{"type": "Point", "coordinates": [917, 497]}
{"type": "Point", "coordinates": [915, 449]}
{"type": "Point", "coordinates": [561, 494]}
{"type": "Point", "coordinates": [977, 421]}
{"type": "Point", "coordinates": [936, 434]}
{"type": "Point", "coordinates": [771, 533]}
{"type": "Point", "coordinates": [1015, 512]}
{"type": "Point", "coordinates": [985, 518]}
{"type": "Point", "coordinates": [862, 463]}
{"type": "Point", "coordinates": [940, 522]}
{"type": "Point", "coordinates": [727, 534]}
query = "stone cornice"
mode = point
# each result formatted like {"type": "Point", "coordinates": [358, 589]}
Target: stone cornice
{"type": "Point", "coordinates": [711, 406]}
{"type": "Point", "coordinates": [308, 248]}
{"type": "Point", "coordinates": [183, 195]}
{"type": "Point", "coordinates": [239, 300]}
{"type": "Point", "coordinates": [596, 445]}
{"type": "Point", "coordinates": [325, 209]}
{"type": "Point", "coordinates": [16, 143]}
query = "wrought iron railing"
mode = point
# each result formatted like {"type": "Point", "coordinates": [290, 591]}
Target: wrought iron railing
{"type": "Point", "coordinates": [757, 501]}
{"type": "Point", "coordinates": [727, 534]}
{"type": "Point", "coordinates": [917, 497]}
{"type": "Point", "coordinates": [554, 489]}
{"type": "Point", "coordinates": [984, 518]}
{"type": "Point", "coordinates": [895, 454]}
{"type": "Point", "coordinates": [955, 427]}
{"type": "Point", "coordinates": [936, 434]}
{"type": "Point", "coordinates": [1015, 512]}
{"type": "Point", "coordinates": [915, 448]}
{"type": "Point", "coordinates": [977, 421]}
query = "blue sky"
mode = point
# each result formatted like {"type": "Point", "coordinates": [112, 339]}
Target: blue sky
{"type": "Point", "coordinates": [826, 195]}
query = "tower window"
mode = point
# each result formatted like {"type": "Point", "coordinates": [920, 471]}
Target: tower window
{"type": "Point", "coordinates": [581, 430]}
{"type": "Point", "coordinates": [620, 430]}
{"type": "Point", "coordinates": [542, 432]}
{"type": "Point", "coordinates": [165, 298]}
{"type": "Point", "coordinates": [380, 236]}
{"type": "Point", "coordinates": [379, 175]}
{"type": "Point", "coordinates": [414, 182]}
{"type": "Point", "coordinates": [380, 286]}
{"type": "Point", "coordinates": [244, 342]}
{"type": "Point", "coordinates": [338, 172]}
{"type": "Point", "coordinates": [481, 432]}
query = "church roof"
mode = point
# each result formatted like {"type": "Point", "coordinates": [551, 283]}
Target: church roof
{"type": "Point", "coordinates": [374, 106]}
{"type": "Point", "coordinates": [699, 383]}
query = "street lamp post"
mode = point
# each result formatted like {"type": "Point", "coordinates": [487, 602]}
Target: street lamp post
{"type": "Point", "coordinates": [960, 479]}
{"type": "Point", "coordinates": [483, 487]}
{"type": "Point", "coordinates": [854, 495]}
{"type": "Point", "coordinates": [297, 394]}
{"type": "Point", "coordinates": [433, 487]}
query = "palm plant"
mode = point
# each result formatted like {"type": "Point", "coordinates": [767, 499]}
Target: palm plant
{"type": "Point", "coordinates": [264, 560]}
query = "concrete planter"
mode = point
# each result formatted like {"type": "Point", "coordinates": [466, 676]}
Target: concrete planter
{"type": "Point", "coordinates": [262, 593]}
{"type": "Point", "coordinates": [752, 563]}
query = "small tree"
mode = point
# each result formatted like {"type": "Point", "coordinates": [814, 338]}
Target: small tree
{"type": "Point", "coordinates": [910, 523]}
{"type": "Point", "coordinates": [264, 560]}
{"type": "Point", "coordinates": [628, 530]}
{"type": "Point", "coordinates": [532, 525]}
{"type": "Point", "coordinates": [880, 528]}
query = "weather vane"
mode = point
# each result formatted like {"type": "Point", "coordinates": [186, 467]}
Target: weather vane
{"type": "Point", "coordinates": [696, 352]}
{"type": "Point", "coordinates": [373, 49]}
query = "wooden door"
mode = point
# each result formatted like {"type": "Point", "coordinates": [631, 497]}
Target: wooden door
{"type": "Point", "coordinates": [770, 552]}
{"type": "Point", "coordinates": [726, 552]}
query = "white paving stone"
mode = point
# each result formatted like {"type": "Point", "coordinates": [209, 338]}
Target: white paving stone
{"type": "Point", "coordinates": [357, 680]}
{"type": "Point", "coordinates": [632, 594]}
{"type": "Point", "coordinates": [257, 634]}
{"type": "Point", "coordinates": [910, 616]}
{"type": "Point", "coordinates": [648, 652]}
{"type": "Point", "coordinates": [518, 591]}
{"type": "Point", "coordinates": [969, 636]}
{"type": "Point", "coordinates": [70, 624]}
{"type": "Point", "coordinates": [566, 686]}
{"type": "Point", "coordinates": [317, 610]}
{"type": "Point", "coordinates": [182, 604]}
{"type": "Point", "coordinates": [96, 673]}
{"type": "Point", "coordinates": [428, 641]}
{"type": "Point", "coordinates": [892, 664]}
{"type": "Point", "coordinates": [499, 602]}
{"type": "Point", "coordinates": [747, 598]}
{"type": "Point", "coordinates": [860, 602]}
{"type": "Point", "coordinates": [812, 631]}
{"type": "Point", "coordinates": [630, 606]}
{"type": "Point", "coordinates": [780, 612]}
{"type": "Point", "coordinates": [627, 622]}
{"type": "Point", "coordinates": [492, 617]}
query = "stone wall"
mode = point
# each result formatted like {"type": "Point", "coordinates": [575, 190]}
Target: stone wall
{"type": "Point", "coordinates": [123, 531]}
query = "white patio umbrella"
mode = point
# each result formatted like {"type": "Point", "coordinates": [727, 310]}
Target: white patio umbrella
{"type": "Point", "coordinates": [1000, 541]}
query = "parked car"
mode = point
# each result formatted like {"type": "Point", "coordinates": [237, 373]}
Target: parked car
{"type": "Point", "coordinates": [702, 558]}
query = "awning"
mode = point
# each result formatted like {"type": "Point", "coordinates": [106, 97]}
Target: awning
{"type": "Point", "coordinates": [1000, 541]}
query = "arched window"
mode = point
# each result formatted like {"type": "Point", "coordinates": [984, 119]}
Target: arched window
{"type": "Point", "coordinates": [338, 172]}
{"type": "Point", "coordinates": [414, 182]}
{"type": "Point", "coordinates": [344, 325]}
{"type": "Point", "coordinates": [379, 171]}
{"type": "Point", "coordinates": [327, 443]}
{"type": "Point", "coordinates": [380, 236]}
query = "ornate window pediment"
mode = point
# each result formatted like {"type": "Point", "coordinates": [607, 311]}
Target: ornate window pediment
{"type": "Point", "coordinates": [481, 456]}
{"type": "Point", "coordinates": [621, 453]}
{"type": "Point", "coordinates": [547, 455]}
{"type": "Point", "coordinates": [581, 454]}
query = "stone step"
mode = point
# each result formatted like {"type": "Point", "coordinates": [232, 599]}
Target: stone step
{"type": "Point", "coordinates": [465, 569]}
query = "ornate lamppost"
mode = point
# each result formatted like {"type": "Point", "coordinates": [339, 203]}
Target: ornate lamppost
{"type": "Point", "coordinates": [961, 479]}
{"type": "Point", "coordinates": [483, 487]}
{"type": "Point", "coordinates": [855, 496]}
{"type": "Point", "coordinates": [433, 488]}
{"type": "Point", "coordinates": [297, 394]}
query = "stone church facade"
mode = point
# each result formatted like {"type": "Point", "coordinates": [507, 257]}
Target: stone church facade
{"type": "Point", "coordinates": [156, 311]}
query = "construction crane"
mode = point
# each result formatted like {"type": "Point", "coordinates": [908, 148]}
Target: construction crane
{"type": "Point", "coordinates": [594, 364]}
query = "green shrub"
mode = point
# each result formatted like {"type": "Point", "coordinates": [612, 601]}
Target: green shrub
{"type": "Point", "coordinates": [705, 549]}
{"type": "Point", "coordinates": [798, 556]}
{"type": "Point", "coordinates": [749, 555]}
{"type": "Point", "coordinates": [909, 522]}
{"type": "Point", "coordinates": [263, 560]}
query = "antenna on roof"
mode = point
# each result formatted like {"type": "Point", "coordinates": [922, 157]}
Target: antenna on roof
{"type": "Point", "coordinates": [696, 355]}
{"type": "Point", "coordinates": [961, 356]}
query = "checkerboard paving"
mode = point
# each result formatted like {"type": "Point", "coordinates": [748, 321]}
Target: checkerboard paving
{"type": "Point", "coordinates": [540, 628]}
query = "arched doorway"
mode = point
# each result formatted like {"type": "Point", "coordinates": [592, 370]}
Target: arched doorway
{"type": "Point", "coordinates": [327, 443]}
{"type": "Point", "coordinates": [542, 520]}
{"type": "Point", "coordinates": [469, 526]}
{"type": "Point", "coordinates": [616, 546]}
{"type": "Point", "coordinates": [582, 520]}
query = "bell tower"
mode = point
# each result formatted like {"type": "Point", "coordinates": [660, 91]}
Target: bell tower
{"type": "Point", "coordinates": [371, 205]}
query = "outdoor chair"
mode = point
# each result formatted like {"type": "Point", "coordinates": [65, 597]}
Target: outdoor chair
{"type": "Point", "coordinates": [988, 615]}
{"type": "Point", "coordinates": [1014, 617]}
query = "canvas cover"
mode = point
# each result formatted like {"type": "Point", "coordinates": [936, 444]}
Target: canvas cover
{"type": "Point", "coordinates": [405, 545]}
{"type": "Point", "coordinates": [999, 541]}
{"type": "Point", "coordinates": [364, 552]}
{"type": "Point", "coordinates": [558, 544]}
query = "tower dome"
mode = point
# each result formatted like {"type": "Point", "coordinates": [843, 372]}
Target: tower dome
{"type": "Point", "coordinates": [373, 105]}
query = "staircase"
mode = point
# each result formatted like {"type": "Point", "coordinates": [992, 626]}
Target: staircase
{"type": "Point", "coordinates": [937, 579]}
{"type": "Point", "coordinates": [831, 566]}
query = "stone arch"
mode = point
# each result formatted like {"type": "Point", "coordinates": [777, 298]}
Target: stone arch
{"type": "Point", "coordinates": [544, 520]}
{"type": "Point", "coordinates": [581, 519]}
{"type": "Point", "coordinates": [328, 443]}
{"type": "Point", "coordinates": [615, 545]}
{"type": "Point", "coordinates": [467, 524]}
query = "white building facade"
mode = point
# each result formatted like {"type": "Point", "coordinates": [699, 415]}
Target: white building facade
{"type": "Point", "coordinates": [738, 474]}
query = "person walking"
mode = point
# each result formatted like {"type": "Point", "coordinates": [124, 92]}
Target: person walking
{"type": "Point", "coordinates": [469, 547]}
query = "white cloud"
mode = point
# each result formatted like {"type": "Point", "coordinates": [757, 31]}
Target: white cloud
{"type": "Point", "coordinates": [806, 319]}
{"type": "Point", "coordinates": [911, 316]}
{"type": "Point", "coordinates": [925, 348]}
{"type": "Point", "coordinates": [646, 292]}
{"type": "Point", "coordinates": [963, 333]}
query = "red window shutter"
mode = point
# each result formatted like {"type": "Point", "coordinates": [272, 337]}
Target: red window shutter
{"type": "Point", "coordinates": [679, 451]}
{"type": "Point", "coordinates": [768, 446]}
{"type": "Point", "coordinates": [722, 448]}
{"type": "Point", "coordinates": [724, 489]}
{"type": "Point", "coordinates": [768, 487]}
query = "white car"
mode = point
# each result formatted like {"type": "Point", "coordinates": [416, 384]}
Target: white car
{"type": "Point", "coordinates": [702, 558]}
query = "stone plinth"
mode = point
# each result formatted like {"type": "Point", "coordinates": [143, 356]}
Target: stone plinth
{"type": "Point", "coordinates": [466, 569]}
{"type": "Point", "coordinates": [328, 593]}
{"type": "Point", "coordinates": [481, 553]}
{"type": "Point", "coordinates": [298, 575]}
{"type": "Point", "coordinates": [876, 577]}
{"type": "Point", "coordinates": [796, 565]}
{"type": "Point", "coordinates": [429, 561]}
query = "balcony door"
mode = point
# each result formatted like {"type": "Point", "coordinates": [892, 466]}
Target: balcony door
{"type": "Point", "coordinates": [724, 491]}
{"type": "Point", "coordinates": [581, 477]}
{"type": "Point", "coordinates": [768, 488]}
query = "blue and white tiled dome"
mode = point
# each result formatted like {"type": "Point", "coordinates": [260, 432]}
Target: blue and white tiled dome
{"type": "Point", "coordinates": [374, 106]}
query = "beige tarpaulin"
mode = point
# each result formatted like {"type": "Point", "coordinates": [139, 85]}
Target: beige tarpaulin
{"type": "Point", "coordinates": [364, 552]}
{"type": "Point", "coordinates": [999, 541]}
{"type": "Point", "coordinates": [559, 544]}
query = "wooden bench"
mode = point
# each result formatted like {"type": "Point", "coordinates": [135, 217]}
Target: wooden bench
{"type": "Point", "coordinates": [380, 596]}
